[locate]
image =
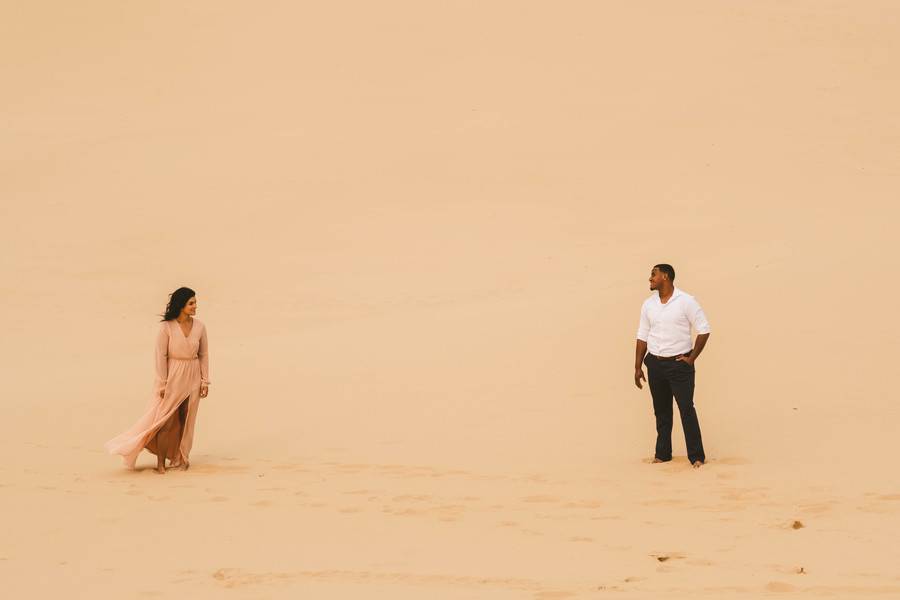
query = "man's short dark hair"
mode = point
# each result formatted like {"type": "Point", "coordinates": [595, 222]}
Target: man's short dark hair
{"type": "Point", "coordinates": [667, 269]}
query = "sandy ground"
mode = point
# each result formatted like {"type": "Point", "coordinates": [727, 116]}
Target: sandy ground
{"type": "Point", "coordinates": [420, 234]}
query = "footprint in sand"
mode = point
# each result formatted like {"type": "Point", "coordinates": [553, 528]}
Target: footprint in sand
{"type": "Point", "coordinates": [297, 468]}
{"type": "Point", "coordinates": [701, 562]}
{"type": "Point", "coordinates": [730, 460]}
{"type": "Point", "coordinates": [411, 498]}
{"type": "Point", "coordinates": [232, 578]}
{"type": "Point", "coordinates": [667, 556]}
{"type": "Point", "coordinates": [540, 498]}
{"type": "Point", "coordinates": [553, 595]}
{"type": "Point", "coordinates": [779, 586]}
{"type": "Point", "coordinates": [532, 532]}
{"type": "Point", "coordinates": [211, 469]}
{"type": "Point", "coordinates": [817, 507]}
{"type": "Point", "coordinates": [790, 570]}
{"type": "Point", "coordinates": [664, 502]}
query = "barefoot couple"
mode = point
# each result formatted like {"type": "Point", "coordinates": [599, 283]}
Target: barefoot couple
{"type": "Point", "coordinates": [166, 428]}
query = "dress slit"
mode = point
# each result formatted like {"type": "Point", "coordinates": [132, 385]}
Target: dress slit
{"type": "Point", "coordinates": [176, 433]}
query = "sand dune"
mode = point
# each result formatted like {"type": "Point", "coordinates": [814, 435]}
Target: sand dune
{"type": "Point", "coordinates": [420, 234]}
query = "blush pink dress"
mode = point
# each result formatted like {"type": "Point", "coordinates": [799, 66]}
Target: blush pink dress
{"type": "Point", "coordinates": [182, 365]}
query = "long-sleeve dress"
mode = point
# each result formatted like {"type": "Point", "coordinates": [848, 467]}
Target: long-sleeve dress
{"type": "Point", "coordinates": [182, 365]}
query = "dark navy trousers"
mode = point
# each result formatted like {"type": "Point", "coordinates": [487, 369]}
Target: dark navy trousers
{"type": "Point", "coordinates": [668, 378]}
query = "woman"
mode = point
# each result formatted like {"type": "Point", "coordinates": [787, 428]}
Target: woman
{"type": "Point", "coordinates": [182, 378]}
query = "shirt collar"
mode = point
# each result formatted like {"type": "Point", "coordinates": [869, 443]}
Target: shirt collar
{"type": "Point", "coordinates": [675, 294]}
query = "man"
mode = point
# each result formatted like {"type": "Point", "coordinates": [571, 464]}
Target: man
{"type": "Point", "coordinates": [664, 345]}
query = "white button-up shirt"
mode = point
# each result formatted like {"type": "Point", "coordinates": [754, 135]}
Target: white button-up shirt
{"type": "Point", "coordinates": [667, 327]}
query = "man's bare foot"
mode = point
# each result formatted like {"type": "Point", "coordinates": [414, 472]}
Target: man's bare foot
{"type": "Point", "coordinates": [657, 460]}
{"type": "Point", "coordinates": [698, 464]}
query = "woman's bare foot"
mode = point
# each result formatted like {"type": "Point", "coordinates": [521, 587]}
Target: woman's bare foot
{"type": "Point", "coordinates": [183, 466]}
{"type": "Point", "coordinates": [161, 469]}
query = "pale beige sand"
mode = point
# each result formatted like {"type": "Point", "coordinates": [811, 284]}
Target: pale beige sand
{"type": "Point", "coordinates": [421, 233]}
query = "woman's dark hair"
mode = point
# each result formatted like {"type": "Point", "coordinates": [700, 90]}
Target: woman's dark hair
{"type": "Point", "coordinates": [177, 300]}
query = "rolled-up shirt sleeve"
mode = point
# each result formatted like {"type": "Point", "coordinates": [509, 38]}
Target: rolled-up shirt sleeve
{"type": "Point", "coordinates": [697, 317]}
{"type": "Point", "coordinates": [644, 325]}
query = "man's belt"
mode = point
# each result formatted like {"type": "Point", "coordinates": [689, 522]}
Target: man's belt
{"type": "Point", "coordinates": [676, 357]}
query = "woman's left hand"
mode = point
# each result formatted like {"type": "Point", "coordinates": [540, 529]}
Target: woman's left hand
{"type": "Point", "coordinates": [204, 391]}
